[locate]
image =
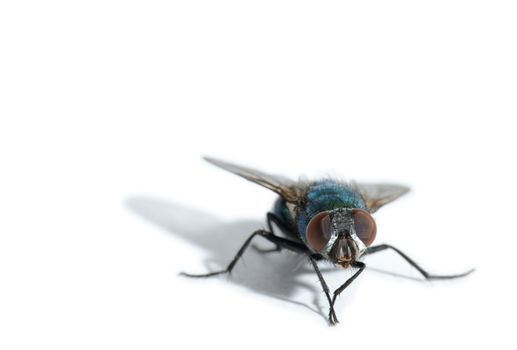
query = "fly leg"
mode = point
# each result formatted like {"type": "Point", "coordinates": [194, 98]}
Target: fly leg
{"type": "Point", "coordinates": [272, 218]}
{"type": "Point", "coordinates": [282, 242]}
{"type": "Point", "coordinates": [358, 264]}
{"type": "Point", "coordinates": [332, 314]}
{"type": "Point", "coordinates": [424, 273]}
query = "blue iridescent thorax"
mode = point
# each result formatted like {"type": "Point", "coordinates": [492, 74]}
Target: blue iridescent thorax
{"type": "Point", "coordinates": [322, 195]}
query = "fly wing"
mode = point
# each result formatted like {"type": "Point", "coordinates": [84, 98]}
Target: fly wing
{"type": "Point", "coordinates": [378, 195]}
{"type": "Point", "coordinates": [283, 186]}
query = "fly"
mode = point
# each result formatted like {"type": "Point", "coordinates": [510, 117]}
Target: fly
{"type": "Point", "coordinates": [325, 219]}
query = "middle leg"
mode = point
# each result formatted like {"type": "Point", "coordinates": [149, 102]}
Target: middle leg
{"type": "Point", "coordinates": [271, 219]}
{"type": "Point", "coordinates": [424, 273]}
{"type": "Point", "coordinates": [282, 242]}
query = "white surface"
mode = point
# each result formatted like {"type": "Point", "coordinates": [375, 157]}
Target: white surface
{"type": "Point", "coordinates": [106, 108]}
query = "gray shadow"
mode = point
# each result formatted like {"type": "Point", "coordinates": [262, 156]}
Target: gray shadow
{"type": "Point", "coordinates": [396, 274]}
{"type": "Point", "coordinates": [276, 275]}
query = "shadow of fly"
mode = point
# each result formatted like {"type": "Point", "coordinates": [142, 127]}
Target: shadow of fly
{"type": "Point", "coordinates": [325, 219]}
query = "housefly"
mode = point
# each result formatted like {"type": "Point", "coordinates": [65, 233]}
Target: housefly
{"type": "Point", "coordinates": [325, 219]}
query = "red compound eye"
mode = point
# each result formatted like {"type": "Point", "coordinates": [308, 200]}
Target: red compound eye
{"type": "Point", "coordinates": [365, 226]}
{"type": "Point", "coordinates": [318, 231]}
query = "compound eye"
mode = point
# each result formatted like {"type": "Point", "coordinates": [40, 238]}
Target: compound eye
{"type": "Point", "coordinates": [318, 231]}
{"type": "Point", "coordinates": [365, 226]}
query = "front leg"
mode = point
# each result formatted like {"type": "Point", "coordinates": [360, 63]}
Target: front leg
{"type": "Point", "coordinates": [332, 314]}
{"type": "Point", "coordinates": [358, 264]}
{"type": "Point", "coordinates": [424, 273]}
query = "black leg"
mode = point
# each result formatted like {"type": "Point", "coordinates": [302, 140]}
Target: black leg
{"type": "Point", "coordinates": [282, 242]}
{"type": "Point", "coordinates": [332, 314]}
{"type": "Point", "coordinates": [358, 264]}
{"type": "Point", "coordinates": [270, 219]}
{"type": "Point", "coordinates": [288, 244]}
{"type": "Point", "coordinates": [424, 273]}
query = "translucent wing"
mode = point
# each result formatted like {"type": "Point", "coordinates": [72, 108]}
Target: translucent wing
{"type": "Point", "coordinates": [279, 184]}
{"type": "Point", "coordinates": [377, 195]}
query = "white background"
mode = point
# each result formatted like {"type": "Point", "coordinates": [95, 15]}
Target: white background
{"type": "Point", "coordinates": [107, 106]}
